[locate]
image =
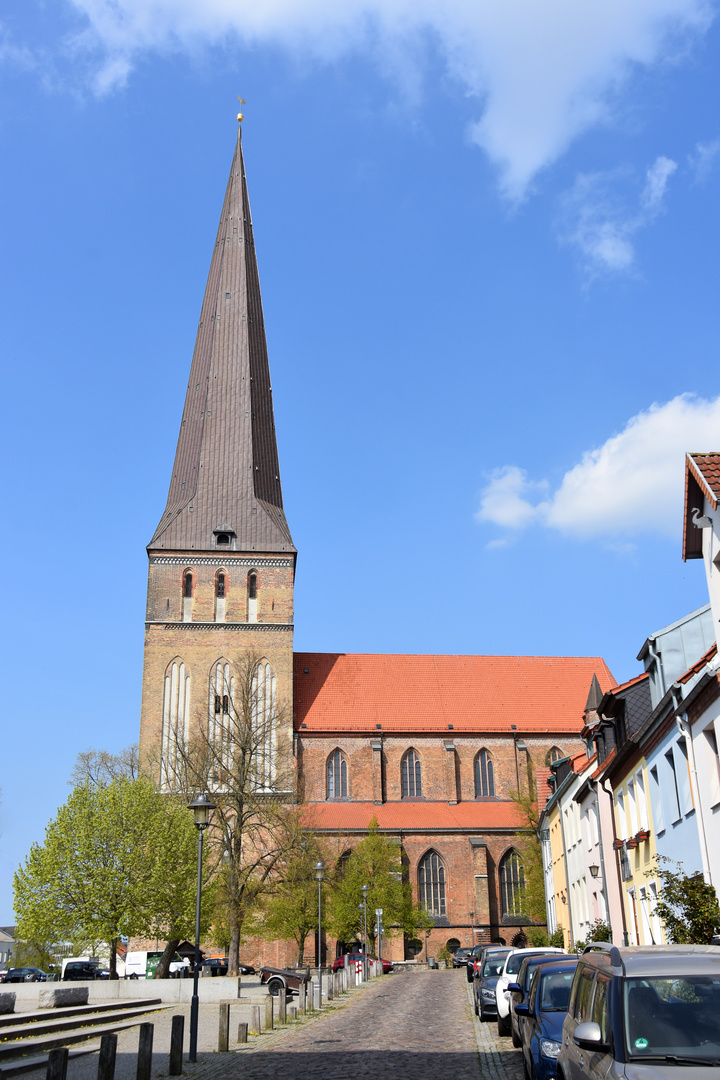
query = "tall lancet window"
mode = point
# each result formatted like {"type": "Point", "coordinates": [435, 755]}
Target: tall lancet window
{"type": "Point", "coordinates": [176, 723]}
{"type": "Point", "coordinates": [431, 883]}
{"type": "Point", "coordinates": [221, 719]}
{"type": "Point", "coordinates": [252, 589]}
{"type": "Point", "coordinates": [411, 776]}
{"type": "Point", "coordinates": [220, 590]}
{"type": "Point", "coordinates": [187, 595]}
{"type": "Point", "coordinates": [337, 785]}
{"type": "Point", "coordinates": [263, 706]}
{"type": "Point", "coordinates": [484, 776]}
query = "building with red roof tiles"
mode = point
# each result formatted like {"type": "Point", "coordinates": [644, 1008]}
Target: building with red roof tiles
{"type": "Point", "coordinates": [431, 747]}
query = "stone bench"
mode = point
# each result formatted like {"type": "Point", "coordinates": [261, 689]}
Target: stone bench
{"type": "Point", "coordinates": [59, 996]}
{"type": "Point", "coordinates": [7, 1002]}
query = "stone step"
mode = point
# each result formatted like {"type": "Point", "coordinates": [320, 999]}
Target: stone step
{"type": "Point", "coordinates": [38, 1061]}
{"type": "Point", "coordinates": [30, 1017]}
{"type": "Point", "coordinates": [64, 1036]}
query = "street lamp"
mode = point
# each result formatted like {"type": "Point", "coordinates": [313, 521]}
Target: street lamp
{"type": "Point", "coordinates": [201, 808]}
{"type": "Point", "coordinates": [319, 874]}
{"type": "Point", "coordinates": [594, 870]}
{"type": "Point", "coordinates": [365, 890]}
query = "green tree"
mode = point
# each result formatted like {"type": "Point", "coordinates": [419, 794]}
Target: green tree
{"type": "Point", "coordinates": [531, 853]}
{"type": "Point", "coordinates": [688, 907]}
{"type": "Point", "coordinates": [289, 909]}
{"type": "Point", "coordinates": [116, 859]}
{"type": "Point", "coordinates": [377, 863]}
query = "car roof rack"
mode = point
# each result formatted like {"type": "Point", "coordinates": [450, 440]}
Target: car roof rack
{"type": "Point", "coordinates": [606, 947]}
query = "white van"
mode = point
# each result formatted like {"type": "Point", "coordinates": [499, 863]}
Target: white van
{"type": "Point", "coordinates": [142, 965]}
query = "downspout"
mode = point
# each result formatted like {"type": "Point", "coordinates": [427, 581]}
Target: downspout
{"type": "Point", "coordinates": [567, 878]}
{"type": "Point", "coordinates": [685, 729]}
{"type": "Point", "coordinates": [602, 853]}
{"type": "Point", "coordinates": [656, 657]}
{"type": "Point", "coordinates": [617, 864]}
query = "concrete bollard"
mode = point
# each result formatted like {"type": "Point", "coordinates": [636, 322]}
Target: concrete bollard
{"type": "Point", "coordinates": [7, 1002]}
{"type": "Point", "coordinates": [316, 994]}
{"type": "Point", "coordinates": [242, 1033]}
{"type": "Point", "coordinates": [330, 987]}
{"type": "Point", "coordinates": [239, 993]}
{"type": "Point", "coordinates": [224, 1028]}
{"type": "Point", "coordinates": [293, 1012]}
{"type": "Point", "coordinates": [145, 1048]}
{"type": "Point", "coordinates": [302, 999]}
{"type": "Point", "coordinates": [106, 1060]}
{"type": "Point", "coordinates": [177, 1034]}
{"type": "Point", "coordinates": [57, 1064]}
{"type": "Point", "coordinates": [269, 1012]}
{"type": "Point", "coordinates": [282, 1005]}
{"type": "Point", "coordinates": [255, 1028]}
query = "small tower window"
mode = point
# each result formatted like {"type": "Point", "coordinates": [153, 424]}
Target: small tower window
{"type": "Point", "coordinates": [220, 586]}
{"type": "Point", "coordinates": [188, 585]}
{"type": "Point", "coordinates": [252, 586]}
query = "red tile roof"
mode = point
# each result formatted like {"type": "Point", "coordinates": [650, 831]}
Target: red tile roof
{"type": "Point", "coordinates": [411, 816]}
{"type": "Point", "coordinates": [706, 468]}
{"type": "Point", "coordinates": [700, 664]}
{"type": "Point", "coordinates": [630, 682]}
{"type": "Point", "coordinates": [366, 692]}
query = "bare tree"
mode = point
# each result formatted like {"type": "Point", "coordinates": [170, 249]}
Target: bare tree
{"type": "Point", "coordinates": [100, 767]}
{"type": "Point", "coordinates": [240, 755]}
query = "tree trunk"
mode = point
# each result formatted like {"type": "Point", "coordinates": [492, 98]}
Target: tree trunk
{"type": "Point", "coordinates": [301, 952]}
{"type": "Point", "coordinates": [113, 959]}
{"type": "Point", "coordinates": [162, 971]}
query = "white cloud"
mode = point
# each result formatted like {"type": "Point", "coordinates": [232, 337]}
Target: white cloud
{"type": "Point", "coordinates": [632, 484]}
{"type": "Point", "coordinates": [598, 221]}
{"type": "Point", "coordinates": [542, 72]}
{"type": "Point", "coordinates": [703, 160]}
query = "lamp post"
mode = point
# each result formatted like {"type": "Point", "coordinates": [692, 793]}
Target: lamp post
{"type": "Point", "coordinates": [365, 890]}
{"type": "Point", "coordinates": [201, 808]}
{"type": "Point", "coordinates": [319, 874]}
{"type": "Point", "coordinates": [472, 928]}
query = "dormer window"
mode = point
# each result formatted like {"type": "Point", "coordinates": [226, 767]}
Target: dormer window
{"type": "Point", "coordinates": [223, 539]}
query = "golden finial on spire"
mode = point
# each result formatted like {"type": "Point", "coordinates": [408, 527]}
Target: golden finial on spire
{"type": "Point", "coordinates": [240, 115]}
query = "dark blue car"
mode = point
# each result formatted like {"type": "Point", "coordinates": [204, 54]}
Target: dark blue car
{"type": "Point", "coordinates": [544, 1013]}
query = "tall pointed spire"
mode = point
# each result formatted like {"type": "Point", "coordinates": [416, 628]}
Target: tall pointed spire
{"type": "Point", "coordinates": [226, 476]}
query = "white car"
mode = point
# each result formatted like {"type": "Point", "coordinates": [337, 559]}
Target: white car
{"type": "Point", "coordinates": [502, 994]}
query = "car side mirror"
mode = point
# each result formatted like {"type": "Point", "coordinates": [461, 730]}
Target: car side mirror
{"type": "Point", "coordinates": [588, 1036]}
{"type": "Point", "coordinates": [523, 1009]}
{"type": "Point", "coordinates": [514, 988]}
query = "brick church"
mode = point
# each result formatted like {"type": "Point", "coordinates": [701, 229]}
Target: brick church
{"type": "Point", "coordinates": [428, 745]}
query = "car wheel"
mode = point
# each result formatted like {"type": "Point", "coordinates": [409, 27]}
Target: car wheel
{"type": "Point", "coordinates": [503, 1026]}
{"type": "Point", "coordinates": [275, 986]}
{"type": "Point", "coordinates": [481, 1013]}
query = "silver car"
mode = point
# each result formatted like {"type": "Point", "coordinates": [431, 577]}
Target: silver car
{"type": "Point", "coordinates": [643, 1013]}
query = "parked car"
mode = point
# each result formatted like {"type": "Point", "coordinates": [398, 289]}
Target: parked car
{"type": "Point", "coordinates": [485, 981]}
{"type": "Point", "coordinates": [25, 974]}
{"type": "Point", "coordinates": [460, 957]}
{"type": "Point", "coordinates": [357, 958]}
{"type": "Point", "coordinates": [512, 966]}
{"type": "Point", "coordinates": [479, 953]}
{"type": "Point", "coordinates": [277, 978]}
{"type": "Point", "coordinates": [143, 964]}
{"type": "Point", "coordinates": [519, 991]}
{"type": "Point", "coordinates": [84, 971]}
{"type": "Point", "coordinates": [219, 966]}
{"type": "Point", "coordinates": [646, 1011]}
{"type": "Point", "coordinates": [543, 1014]}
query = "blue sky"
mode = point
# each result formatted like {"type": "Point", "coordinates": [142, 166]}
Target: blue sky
{"type": "Point", "coordinates": [488, 246]}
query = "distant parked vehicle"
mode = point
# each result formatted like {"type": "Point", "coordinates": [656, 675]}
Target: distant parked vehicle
{"type": "Point", "coordinates": [480, 954]}
{"type": "Point", "coordinates": [484, 984]}
{"type": "Point", "coordinates": [520, 989]}
{"type": "Point", "coordinates": [25, 974]}
{"type": "Point", "coordinates": [512, 966]}
{"type": "Point", "coordinates": [83, 971]}
{"type": "Point", "coordinates": [357, 958]}
{"type": "Point", "coordinates": [278, 978]}
{"type": "Point", "coordinates": [143, 965]}
{"type": "Point", "coordinates": [460, 957]}
{"type": "Point", "coordinates": [219, 966]}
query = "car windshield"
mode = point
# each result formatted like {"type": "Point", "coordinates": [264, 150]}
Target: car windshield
{"type": "Point", "coordinates": [493, 966]}
{"type": "Point", "coordinates": [554, 990]}
{"type": "Point", "coordinates": [676, 1016]}
{"type": "Point", "coordinates": [514, 963]}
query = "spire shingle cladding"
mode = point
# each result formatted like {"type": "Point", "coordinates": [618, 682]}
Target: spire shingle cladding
{"type": "Point", "coordinates": [226, 472]}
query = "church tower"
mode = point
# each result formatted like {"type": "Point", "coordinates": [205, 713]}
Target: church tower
{"type": "Point", "coordinates": [222, 560]}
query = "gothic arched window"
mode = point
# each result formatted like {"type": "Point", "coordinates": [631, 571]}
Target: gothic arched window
{"type": "Point", "coordinates": [221, 734]}
{"type": "Point", "coordinates": [187, 584]}
{"type": "Point", "coordinates": [431, 883]}
{"type": "Point", "coordinates": [337, 785]}
{"type": "Point", "coordinates": [411, 776]}
{"type": "Point", "coordinates": [512, 884]}
{"type": "Point", "coordinates": [176, 721]}
{"type": "Point", "coordinates": [484, 776]}
{"type": "Point", "coordinates": [220, 585]}
{"type": "Point", "coordinates": [553, 754]}
{"type": "Point", "coordinates": [263, 708]}
{"type": "Point", "coordinates": [252, 591]}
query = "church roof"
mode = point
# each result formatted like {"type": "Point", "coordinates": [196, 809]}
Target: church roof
{"type": "Point", "coordinates": [226, 475]}
{"type": "Point", "coordinates": [413, 816]}
{"type": "Point", "coordinates": [389, 693]}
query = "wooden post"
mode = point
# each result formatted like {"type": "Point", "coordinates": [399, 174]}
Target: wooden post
{"type": "Point", "coordinates": [177, 1034]}
{"type": "Point", "coordinates": [145, 1045]}
{"type": "Point", "coordinates": [224, 1028]}
{"type": "Point", "coordinates": [255, 1020]}
{"type": "Point", "coordinates": [57, 1063]}
{"type": "Point", "coordinates": [302, 999]}
{"type": "Point", "coordinates": [282, 1005]}
{"type": "Point", "coordinates": [242, 1033]}
{"type": "Point", "coordinates": [293, 1012]}
{"type": "Point", "coordinates": [106, 1061]}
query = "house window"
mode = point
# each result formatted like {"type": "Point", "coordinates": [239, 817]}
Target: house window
{"type": "Point", "coordinates": [553, 754]}
{"type": "Point", "coordinates": [484, 776]}
{"type": "Point", "coordinates": [512, 884]}
{"type": "Point", "coordinates": [431, 883]}
{"type": "Point", "coordinates": [673, 792]}
{"type": "Point", "coordinates": [411, 774]}
{"type": "Point", "coordinates": [656, 801]}
{"type": "Point", "coordinates": [337, 787]}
